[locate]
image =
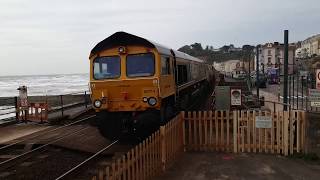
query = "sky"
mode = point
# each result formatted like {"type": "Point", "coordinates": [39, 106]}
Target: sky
{"type": "Point", "coordinates": [55, 37]}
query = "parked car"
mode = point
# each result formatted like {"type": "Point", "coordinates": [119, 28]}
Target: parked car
{"type": "Point", "coordinates": [262, 79]}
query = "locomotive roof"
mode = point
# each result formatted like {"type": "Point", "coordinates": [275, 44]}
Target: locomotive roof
{"type": "Point", "coordinates": [123, 39]}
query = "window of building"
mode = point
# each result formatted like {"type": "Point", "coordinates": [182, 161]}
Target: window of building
{"type": "Point", "coordinates": [269, 60]}
{"type": "Point", "coordinates": [269, 52]}
{"type": "Point", "coordinates": [165, 65]}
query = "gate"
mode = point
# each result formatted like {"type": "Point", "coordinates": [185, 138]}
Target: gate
{"type": "Point", "coordinates": [239, 131]}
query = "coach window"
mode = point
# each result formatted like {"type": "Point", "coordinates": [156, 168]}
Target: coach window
{"type": "Point", "coordinates": [165, 65]}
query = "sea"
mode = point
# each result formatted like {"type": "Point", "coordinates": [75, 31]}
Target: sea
{"type": "Point", "coordinates": [41, 85]}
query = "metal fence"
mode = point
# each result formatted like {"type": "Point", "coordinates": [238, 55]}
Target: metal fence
{"type": "Point", "coordinates": [298, 92]}
{"type": "Point", "coordinates": [58, 104]}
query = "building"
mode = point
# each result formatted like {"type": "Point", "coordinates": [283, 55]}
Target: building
{"type": "Point", "coordinates": [271, 55]}
{"type": "Point", "coordinates": [310, 47]}
{"type": "Point", "coordinates": [231, 67]}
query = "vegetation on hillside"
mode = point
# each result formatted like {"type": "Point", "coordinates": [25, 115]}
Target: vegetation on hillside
{"type": "Point", "coordinates": [224, 53]}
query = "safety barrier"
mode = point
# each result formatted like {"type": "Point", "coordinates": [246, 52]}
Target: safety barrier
{"type": "Point", "coordinates": [237, 131]}
{"type": "Point", "coordinates": [228, 131]}
{"type": "Point", "coordinates": [151, 157]}
{"type": "Point", "coordinates": [34, 112]}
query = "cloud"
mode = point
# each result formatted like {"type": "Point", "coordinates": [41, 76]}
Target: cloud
{"type": "Point", "coordinates": [45, 37]}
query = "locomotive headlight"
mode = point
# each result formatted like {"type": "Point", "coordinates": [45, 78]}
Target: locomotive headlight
{"type": "Point", "coordinates": [145, 99]}
{"type": "Point", "coordinates": [122, 50]}
{"type": "Point", "coordinates": [152, 101]}
{"type": "Point", "coordinates": [97, 103]}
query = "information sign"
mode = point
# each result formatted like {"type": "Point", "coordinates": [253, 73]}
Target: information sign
{"type": "Point", "coordinates": [263, 122]}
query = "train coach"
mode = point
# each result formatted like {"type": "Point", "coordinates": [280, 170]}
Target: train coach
{"type": "Point", "coordinates": [137, 84]}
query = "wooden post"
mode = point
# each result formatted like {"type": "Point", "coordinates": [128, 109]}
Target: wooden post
{"type": "Point", "coordinates": [248, 131]}
{"type": "Point", "coordinates": [205, 131]}
{"type": "Point", "coordinates": [235, 133]}
{"type": "Point", "coordinates": [285, 132]}
{"type": "Point", "coordinates": [291, 118]}
{"type": "Point", "coordinates": [228, 130]}
{"type": "Point", "coordinates": [304, 132]}
{"type": "Point", "coordinates": [210, 131]}
{"type": "Point", "coordinates": [254, 132]}
{"type": "Point", "coordinates": [183, 130]}
{"type": "Point", "coordinates": [216, 130]}
{"type": "Point", "coordinates": [163, 147]}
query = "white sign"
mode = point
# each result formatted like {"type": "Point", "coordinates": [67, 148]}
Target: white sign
{"type": "Point", "coordinates": [318, 79]}
{"type": "Point", "coordinates": [315, 104]}
{"type": "Point", "coordinates": [263, 122]}
{"type": "Point", "coordinates": [314, 95]}
{"type": "Point", "coordinates": [235, 97]}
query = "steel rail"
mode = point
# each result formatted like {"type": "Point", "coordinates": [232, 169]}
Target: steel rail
{"type": "Point", "coordinates": [41, 147]}
{"type": "Point", "coordinates": [85, 161]}
{"type": "Point", "coordinates": [52, 130]}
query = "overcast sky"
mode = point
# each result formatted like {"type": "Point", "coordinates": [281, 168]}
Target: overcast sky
{"type": "Point", "coordinates": [56, 36]}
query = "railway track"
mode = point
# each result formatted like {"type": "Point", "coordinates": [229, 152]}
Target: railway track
{"type": "Point", "coordinates": [34, 159]}
{"type": "Point", "coordinates": [73, 170]}
{"type": "Point", "coordinates": [38, 160]}
{"type": "Point", "coordinates": [45, 132]}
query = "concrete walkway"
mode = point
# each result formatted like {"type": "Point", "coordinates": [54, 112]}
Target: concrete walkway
{"type": "Point", "coordinates": [209, 166]}
{"type": "Point", "coordinates": [15, 131]}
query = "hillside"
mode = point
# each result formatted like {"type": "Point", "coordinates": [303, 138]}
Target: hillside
{"type": "Point", "coordinates": [224, 53]}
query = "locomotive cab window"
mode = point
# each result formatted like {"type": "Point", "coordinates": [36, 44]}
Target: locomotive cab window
{"type": "Point", "coordinates": [106, 67]}
{"type": "Point", "coordinates": [165, 65]}
{"type": "Point", "coordinates": [140, 65]}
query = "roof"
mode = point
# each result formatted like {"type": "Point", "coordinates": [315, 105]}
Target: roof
{"type": "Point", "coordinates": [125, 39]}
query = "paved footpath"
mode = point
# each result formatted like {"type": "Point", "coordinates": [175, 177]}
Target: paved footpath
{"type": "Point", "coordinates": [209, 166]}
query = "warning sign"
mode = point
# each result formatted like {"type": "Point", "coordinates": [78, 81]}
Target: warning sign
{"type": "Point", "coordinates": [235, 97]}
{"type": "Point", "coordinates": [318, 79]}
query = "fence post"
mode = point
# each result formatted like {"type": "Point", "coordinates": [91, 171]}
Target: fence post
{"type": "Point", "coordinates": [182, 115]}
{"type": "Point", "coordinates": [85, 99]}
{"type": "Point", "coordinates": [235, 133]}
{"type": "Point", "coordinates": [16, 107]}
{"type": "Point", "coordinates": [304, 132]}
{"type": "Point", "coordinates": [61, 102]}
{"type": "Point", "coordinates": [163, 146]}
